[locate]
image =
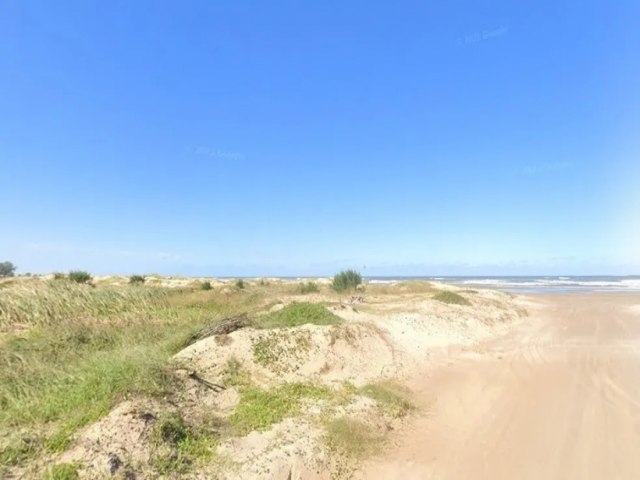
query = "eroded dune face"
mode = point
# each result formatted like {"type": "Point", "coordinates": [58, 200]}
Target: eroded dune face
{"type": "Point", "coordinates": [381, 337]}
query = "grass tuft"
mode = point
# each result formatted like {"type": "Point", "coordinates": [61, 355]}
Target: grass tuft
{"type": "Point", "coordinates": [136, 279]}
{"type": "Point", "coordinates": [62, 471]}
{"type": "Point", "coordinates": [178, 446]}
{"type": "Point", "coordinates": [451, 298]}
{"type": "Point", "coordinates": [346, 280]}
{"type": "Point", "coordinates": [308, 287]}
{"type": "Point", "coordinates": [393, 399]}
{"type": "Point", "coordinates": [80, 276]}
{"type": "Point", "coordinates": [352, 438]}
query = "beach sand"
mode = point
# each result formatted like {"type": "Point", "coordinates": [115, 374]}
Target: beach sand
{"type": "Point", "coordinates": [556, 398]}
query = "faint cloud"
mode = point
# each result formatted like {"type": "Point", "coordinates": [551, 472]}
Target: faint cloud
{"type": "Point", "coordinates": [215, 153]}
{"type": "Point", "coordinates": [542, 168]}
{"type": "Point", "coordinates": [482, 35]}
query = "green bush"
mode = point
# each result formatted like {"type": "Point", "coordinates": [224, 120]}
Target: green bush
{"type": "Point", "coordinates": [309, 287]}
{"type": "Point", "coordinates": [206, 285]}
{"type": "Point", "coordinates": [451, 298]}
{"type": "Point", "coordinates": [136, 279]}
{"type": "Point", "coordinates": [79, 276]}
{"type": "Point", "coordinates": [240, 283]}
{"type": "Point", "coordinates": [300, 313]}
{"type": "Point", "coordinates": [59, 276]}
{"type": "Point", "coordinates": [346, 280]}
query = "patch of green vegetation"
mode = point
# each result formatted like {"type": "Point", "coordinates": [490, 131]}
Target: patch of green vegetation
{"type": "Point", "coordinates": [87, 348]}
{"type": "Point", "coordinates": [393, 399]}
{"type": "Point", "coordinates": [452, 298]}
{"type": "Point", "coordinates": [280, 351]}
{"type": "Point", "coordinates": [352, 438]}
{"type": "Point", "coordinates": [179, 446]}
{"type": "Point", "coordinates": [308, 287]}
{"type": "Point", "coordinates": [299, 313]}
{"type": "Point", "coordinates": [62, 471]}
{"type": "Point", "coordinates": [346, 280]}
{"type": "Point", "coordinates": [79, 276]}
{"type": "Point", "coordinates": [206, 285]}
{"type": "Point", "coordinates": [59, 276]}
{"type": "Point", "coordinates": [136, 279]}
{"type": "Point", "coordinates": [240, 284]}
{"type": "Point", "coordinates": [260, 409]}
{"type": "Point", "coordinates": [17, 450]}
{"type": "Point", "coordinates": [234, 375]}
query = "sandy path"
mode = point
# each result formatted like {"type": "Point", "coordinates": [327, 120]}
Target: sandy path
{"type": "Point", "coordinates": [557, 399]}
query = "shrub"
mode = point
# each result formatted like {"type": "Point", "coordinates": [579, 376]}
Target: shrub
{"type": "Point", "coordinates": [452, 298]}
{"type": "Point", "coordinates": [346, 280]}
{"type": "Point", "coordinates": [79, 276]}
{"type": "Point", "coordinates": [136, 279]}
{"type": "Point", "coordinates": [240, 283]}
{"type": "Point", "coordinates": [206, 285]}
{"type": "Point", "coordinates": [300, 313]}
{"type": "Point", "coordinates": [7, 269]}
{"type": "Point", "coordinates": [59, 276]}
{"type": "Point", "coordinates": [309, 287]}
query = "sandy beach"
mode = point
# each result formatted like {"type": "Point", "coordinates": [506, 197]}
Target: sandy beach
{"type": "Point", "coordinates": [556, 398]}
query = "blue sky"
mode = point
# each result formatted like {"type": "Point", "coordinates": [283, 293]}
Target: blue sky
{"type": "Point", "coordinates": [296, 138]}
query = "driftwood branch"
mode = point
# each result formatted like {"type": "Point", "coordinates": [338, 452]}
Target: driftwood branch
{"type": "Point", "coordinates": [223, 327]}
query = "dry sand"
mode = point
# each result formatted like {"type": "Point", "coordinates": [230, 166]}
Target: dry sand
{"type": "Point", "coordinates": [556, 398]}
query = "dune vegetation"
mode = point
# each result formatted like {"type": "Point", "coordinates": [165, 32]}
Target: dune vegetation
{"type": "Point", "coordinates": [73, 348]}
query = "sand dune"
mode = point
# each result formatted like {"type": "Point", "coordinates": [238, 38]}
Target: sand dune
{"type": "Point", "coordinates": [558, 398]}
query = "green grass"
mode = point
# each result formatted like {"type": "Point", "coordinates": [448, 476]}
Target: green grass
{"type": "Point", "coordinates": [393, 399]}
{"type": "Point", "coordinates": [260, 409]}
{"type": "Point", "coordinates": [299, 313]}
{"type": "Point", "coordinates": [308, 287]}
{"type": "Point", "coordinates": [59, 303]}
{"type": "Point", "coordinates": [71, 352]}
{"type": "Point", "coordinates": [179, 446]}
{"type": "Point", "coordinates": [352, 438]}
{"type": "Point", "coordinates": [79, 276]}
{"type": "Point", "coordinates": [452, 298]}
{"type": "Point", "coordinates": [346, 280]}
{"type": "Point", "coordinates": [62, 471]}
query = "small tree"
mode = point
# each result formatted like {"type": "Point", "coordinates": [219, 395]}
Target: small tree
{"type": "Point", "coordinates": [346, 280]}
{"type": "Point", "coordinates": [79, 276]}
{"type": "Point", "coordinates": [7, 269]}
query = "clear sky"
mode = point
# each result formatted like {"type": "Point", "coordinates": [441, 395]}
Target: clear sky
{"type": "Point", "coordinates": [296, 138]}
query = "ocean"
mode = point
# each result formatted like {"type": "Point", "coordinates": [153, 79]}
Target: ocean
{"type": "Point", "coordinates": [535, 284]}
